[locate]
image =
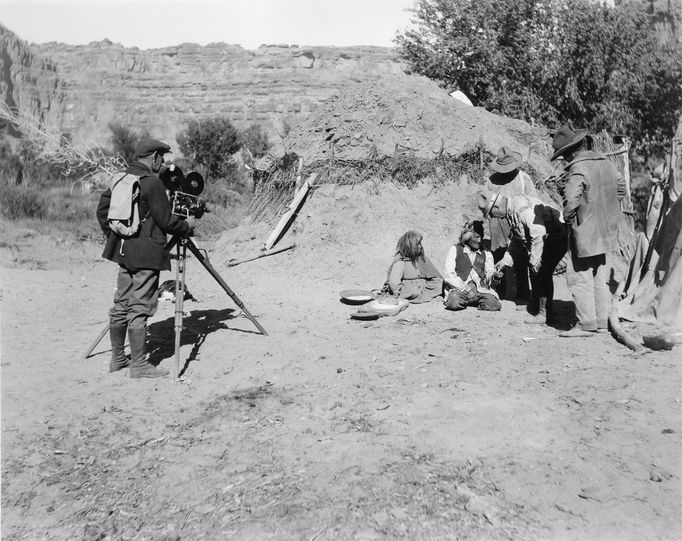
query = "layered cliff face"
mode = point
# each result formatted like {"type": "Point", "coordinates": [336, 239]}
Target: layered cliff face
{"type": "Point", "coordinates": [80, 89]}
{"type": "Point", "coordinates": [28, 80]}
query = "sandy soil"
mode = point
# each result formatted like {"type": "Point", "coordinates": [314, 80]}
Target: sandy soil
{"type": "Point", "coordinates": [427, 425]}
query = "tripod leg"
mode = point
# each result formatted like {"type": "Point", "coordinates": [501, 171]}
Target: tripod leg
{"type": "Point", "coordinates": [207, 265]}
{"type": "Point", "coordinates": [179, 299]}
{"type": "Point", "coordinates": [101, 335]}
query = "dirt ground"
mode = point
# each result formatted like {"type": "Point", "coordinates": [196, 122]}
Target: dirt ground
{"type": "Point", "coordinates": [427, 425]}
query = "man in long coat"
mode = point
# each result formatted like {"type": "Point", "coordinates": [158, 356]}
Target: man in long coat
{"type": "Point", "coordinates": [592, 211]}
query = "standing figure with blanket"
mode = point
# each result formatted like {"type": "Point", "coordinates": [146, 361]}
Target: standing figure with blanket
{"type": "Point", "coordinates": [140, 258]}
{"type": "Point", "coordinates": [592, 211]}
{"type": "Point", "coordinates": [544, 241]}
{"type": "Point", "coordinates": [509, 179]}
{"type": "Point", "coordinates": [468, 273]}
{"type": "Point", "coordinates": [411, 275]}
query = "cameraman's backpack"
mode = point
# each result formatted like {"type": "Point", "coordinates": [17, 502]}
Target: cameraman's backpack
{"type": "Point", "coordinates": [124, 208]}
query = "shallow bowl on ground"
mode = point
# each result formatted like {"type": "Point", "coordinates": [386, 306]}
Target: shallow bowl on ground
{"type": "Point", "coordinates": [355, 296]}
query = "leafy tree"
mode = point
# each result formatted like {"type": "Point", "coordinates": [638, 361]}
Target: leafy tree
{"type": "Point", "coordinates": [124, 140]}
{"type": "Point", "coordinates": [255, 140]}
{"type": "Point", "coordinates": [210, 143]}
{"type": "Point", "coordinates": [552, 61]}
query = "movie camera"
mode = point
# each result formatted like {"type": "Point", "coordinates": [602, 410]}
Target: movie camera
{"type": "Point", "coordinates": [185, 191]}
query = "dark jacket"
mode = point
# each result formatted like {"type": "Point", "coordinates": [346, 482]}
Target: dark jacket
{"type": "Point", "coordinates": [146, 249]}
{"type": "Point", "coordinates": [592, 198]}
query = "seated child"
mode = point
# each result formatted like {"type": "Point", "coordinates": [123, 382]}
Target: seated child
{"type": "Point", "coordinates": [411, 275]}
{"type": "Point", "coordinates": [468, 272]}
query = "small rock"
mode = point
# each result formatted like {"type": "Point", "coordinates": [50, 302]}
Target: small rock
{"type": "Point", "coordinates": [590, 493]}
{"type": "Point", "coordinates": [657, 475]}
{"type": "Point", "coordinates": [667, 430]}
{"type": "Point", "coordinates": [339, 370]}
{"type": "Point", "coordinates": [479, 505]}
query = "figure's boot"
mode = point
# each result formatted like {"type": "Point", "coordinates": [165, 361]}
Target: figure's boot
{"type": "Point", "coordinates": [140, 368]}
{"type": "Point", "coordinates": [119, 360]}
{"type": "Point", "coordinates": [541, 317]}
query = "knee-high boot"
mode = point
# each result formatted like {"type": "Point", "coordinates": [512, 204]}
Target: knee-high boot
{"type": "Point", "coordinates": [117, 336]}
{"type": "Point", "coordinates": [139, 367]}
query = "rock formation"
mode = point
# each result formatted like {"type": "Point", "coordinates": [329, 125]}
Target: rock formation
{"type": "Point", "coordinates": [29, 81]}
{"type": "Point", "coordinates": [80, 89]}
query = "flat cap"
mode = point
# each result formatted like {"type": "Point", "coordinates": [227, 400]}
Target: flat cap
{"type": "Point", "coordinates": [149, 146]}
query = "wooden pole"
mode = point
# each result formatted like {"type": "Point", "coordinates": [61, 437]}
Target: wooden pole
{"type": "Point", "coordinates": [179, 299]}
{"type": "Point", "coordinates": [626, 166]}
{"type": "Point", "coordinates": [665, 204]}
{"type": "Point", "coordinates": [97, 340]}
{"type": "Point", "coordinates": [290, 215]}
{"type": "Point", "coordinates": [235, 262]}
{"type": "Point", "coordinates": [203, 259]}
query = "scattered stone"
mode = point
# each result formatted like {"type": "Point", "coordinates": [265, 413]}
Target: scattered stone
{"type": "Point", "coordinates": [479, 505]}
{"type": "Point", "coordinates": [590, 493]}
{"type": "Point", "coordinates": [657, 475]}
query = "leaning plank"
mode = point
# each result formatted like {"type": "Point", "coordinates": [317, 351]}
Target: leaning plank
{"type": "Point", "coordinates": [235, 262]}
{"type": "Point", "coordinates": [290, 215]}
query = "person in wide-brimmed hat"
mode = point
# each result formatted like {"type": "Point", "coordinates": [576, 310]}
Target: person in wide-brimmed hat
{"type": "Point", "coordinates": [507, 178]}
{"type": "Point", "coordinates": [592, 196]}
{"type": "Point", "coordinates": [566, 142]}
{"type": "Point", "coordinates": [538, 230]}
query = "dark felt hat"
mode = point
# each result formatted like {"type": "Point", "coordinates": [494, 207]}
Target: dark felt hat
{"type": "Point", "coordinates": [149, 146]}
{"type": "Point", "coordinates": [506, 161]}
{"type": "Point", "coordinates": [565, 139]}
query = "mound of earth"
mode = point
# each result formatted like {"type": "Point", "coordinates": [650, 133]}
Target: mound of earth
{"type": "Point", "coordinates": [348, 234]}
{"type": "Point", "coordinates": [358, 226]}
{"type": "Point", "coordinates": [396, 115]}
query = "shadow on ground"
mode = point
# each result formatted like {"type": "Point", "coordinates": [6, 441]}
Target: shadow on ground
{"type": "Point", "coordinates": [196, 327]}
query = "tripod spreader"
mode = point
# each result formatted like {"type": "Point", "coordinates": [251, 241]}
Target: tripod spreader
{"type": "Point", "coordinates": [203, 259]}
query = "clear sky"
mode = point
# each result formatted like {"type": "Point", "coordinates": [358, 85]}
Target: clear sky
{"type": "Point", "coordinates": [158, 23]}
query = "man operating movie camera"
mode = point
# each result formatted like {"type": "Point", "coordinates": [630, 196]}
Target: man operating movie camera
{"type": "Point", "coordinates": [141, 250]}
{"type": "Point", "coordinates": [184, 192]}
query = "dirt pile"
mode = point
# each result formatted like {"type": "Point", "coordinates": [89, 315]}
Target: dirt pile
{"type": "Point", "coordinates": [348, 232]}
{"type": "Point", "coordinates": [346, 235]}
{"type": "Point", "coordinates": [411, 115]}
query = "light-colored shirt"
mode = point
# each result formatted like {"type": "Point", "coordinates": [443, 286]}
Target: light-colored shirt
{"type": "Point", "coordinates": [528, 222]}
{"type": "Point", "coordinates": [452, 279]}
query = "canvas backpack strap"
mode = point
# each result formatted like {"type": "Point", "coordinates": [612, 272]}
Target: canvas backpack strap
{"type": "Point", "coordinates": [123, 214]}
{"type": "Point", "coordinates": [125, 191]}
